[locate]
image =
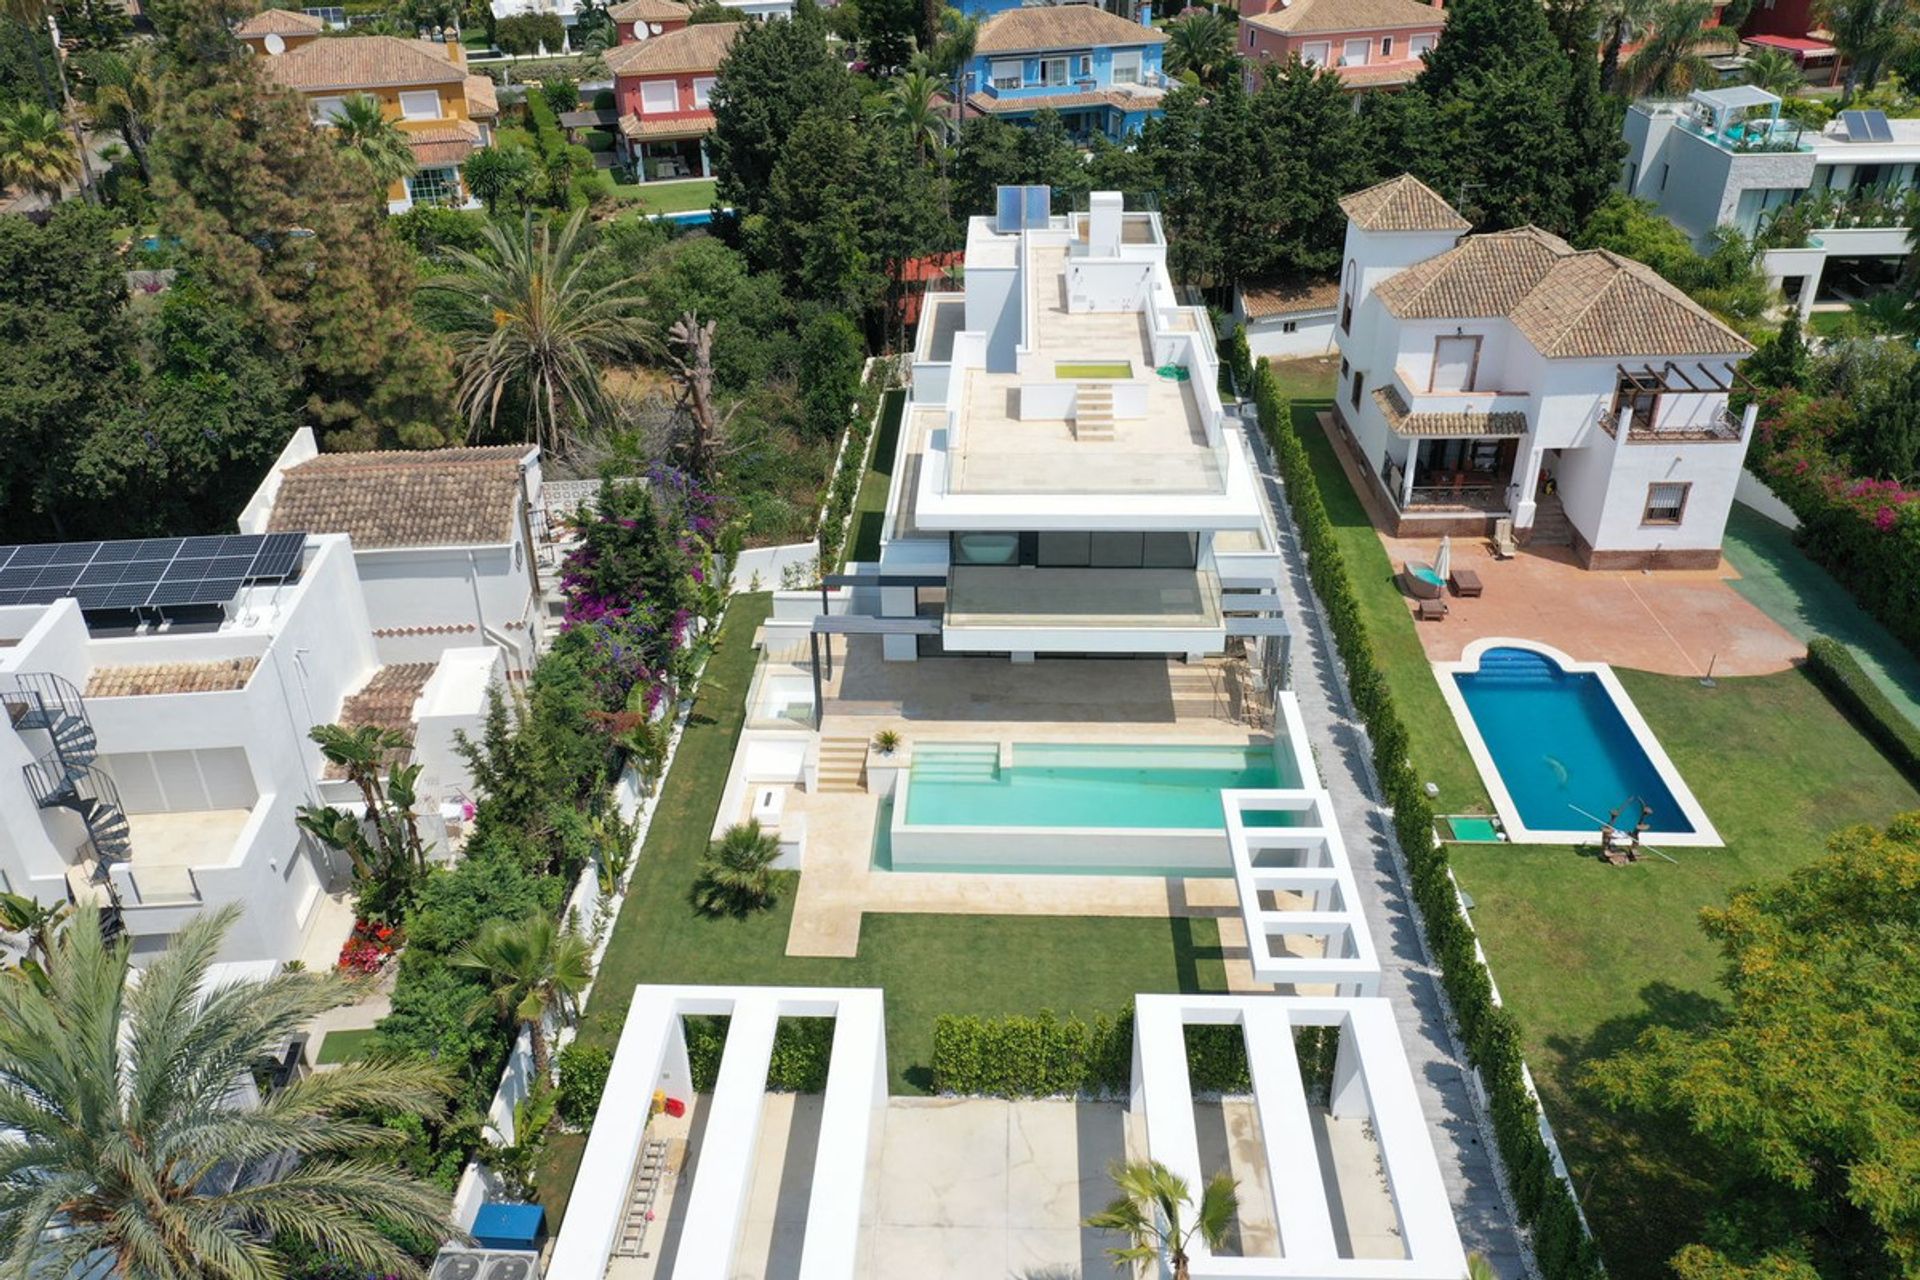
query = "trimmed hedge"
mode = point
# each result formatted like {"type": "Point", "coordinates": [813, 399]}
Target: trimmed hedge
{"type": "Point", "coordinates": [1045, 1056]}
{"type": "Point", "coordinates": [1491, 1033]}
{"type": "Point", "coordinates": [1835, 669]}
{"type": "Point", "coordinates": [845, 485]}
{"type": "Point", "coordinates": [584, 1069]}
{"type": "Point", "coordinates": [801, 1050]}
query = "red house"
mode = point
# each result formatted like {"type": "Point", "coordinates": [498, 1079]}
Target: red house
{"type": "Point", "coordinates": [1374, 44]}
{"type": "Point", "coordinates": [660, 87]}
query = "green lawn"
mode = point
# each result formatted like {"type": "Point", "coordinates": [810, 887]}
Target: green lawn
{"type": "Point", "coordinates": [1802, 597]}
{"type": "Point", "coordinates": [1829, 324]}
{"type": "Point", "coordinates": [666, 197]}
{"type": "Point", "coordinates": [927, 965]}
{"type": "Point", "coordinates": [1588, 955]}
{"type": "Point", "coordinates": [343, 1046]}
{"type": "Point", "coordinates": [870, 504]}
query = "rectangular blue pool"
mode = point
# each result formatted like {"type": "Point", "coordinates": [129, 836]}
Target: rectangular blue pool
{"type": "Point", "coordinates": [1070, 785]}
{"type": "Point", "coordinates": [1564, 751]}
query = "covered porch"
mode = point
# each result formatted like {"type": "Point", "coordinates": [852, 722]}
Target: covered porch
{"type": "Point", "coordinates": [1455, 461]}
{"type": "Point", "coordinates": [663, 150]}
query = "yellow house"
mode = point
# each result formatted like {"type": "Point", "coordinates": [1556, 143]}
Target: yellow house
{"type": "Point", "coordinates": [422, 86]}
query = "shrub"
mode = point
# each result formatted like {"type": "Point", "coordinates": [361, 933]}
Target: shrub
{"type": "Point", "coordinates": [1835, 669]}
{"type": "Point", "coordinates": [802, 1047]}
{"type": "Point", "coordinates": [561, 95]}
{"type": "Point", "coordinates": [584, 1069]}
{"type": "Point", "coordinates": [525, 33]}
{"type": "Point", "coordinates": [1492, 1035]}
{"type": "Point", "coordinates": [845, 485]}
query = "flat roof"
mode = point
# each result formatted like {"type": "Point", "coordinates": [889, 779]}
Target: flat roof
{"type": "Point", "coordinates": [1738, 95]}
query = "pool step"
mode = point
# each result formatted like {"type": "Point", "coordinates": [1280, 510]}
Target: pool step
{"type": "Point", "coordinates": [1093, 411]}
{"type": "Point", "coordinates": [963, 762]}
{"type": "Point", "coordinates": [843, 763]}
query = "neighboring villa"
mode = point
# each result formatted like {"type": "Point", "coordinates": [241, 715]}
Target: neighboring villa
{"type": "Point", "coordinates": [275, 31]}
{"type": "Point", "coordinates": [422, 85]}
{"type": "Point", "coordinates": [1374, 44]}
{"type": "Point", "coordinates": [1068, 479]}
{"type": "Point", "coordinates": [157, 695]}
{"type": "Point", "coordinates": [661, 86]}
{"type": "Point", "coordinates": [447, 543]}
{"type": "Point", "coordinates": [1795, 27]}
{"type": "Point", "coordinates": [1727, 158]}
{"type": "Point", "coordinates": [1101, 72]}
{"type": "Point", "coordinates": [1507, 376]}
{"type": "Point", "coordinates": [638, 20]}
{"type": "Point", "coordinates": [1288, 318]}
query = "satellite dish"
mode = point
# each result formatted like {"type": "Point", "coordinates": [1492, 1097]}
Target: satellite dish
{"type": "Point", "coordinates": [275, 45]}
{"type": "Point", "coordinates": [640, 31]}
{"type": "Point", "coordinates": [654, 27]}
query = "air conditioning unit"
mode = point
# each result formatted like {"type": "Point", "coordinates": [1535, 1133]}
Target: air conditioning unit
{"type": "Point", "coordinates": [485, 1264]}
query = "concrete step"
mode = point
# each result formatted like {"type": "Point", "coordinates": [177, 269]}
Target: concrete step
{"type": "Point", "coordinates": [842, 763]}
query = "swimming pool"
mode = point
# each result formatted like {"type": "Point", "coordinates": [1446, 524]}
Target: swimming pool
{"type": "Point", "coordinates": [1562, 748]}
{"type": "Point", "coordinates": [1067, 807]}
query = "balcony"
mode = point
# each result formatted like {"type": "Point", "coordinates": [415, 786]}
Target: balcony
{"type": "Point", "coordinates": [1719, 425]}
{"type": "Point", "coordinates": [1083, 610]}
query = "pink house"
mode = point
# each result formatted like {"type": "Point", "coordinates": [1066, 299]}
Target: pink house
{"type": "Point", "coordinates": [1375, 44]}
{"type": "Point", "coordinates": [661, 86]}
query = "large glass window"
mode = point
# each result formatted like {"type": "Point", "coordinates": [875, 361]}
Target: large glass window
{"type": "Point", "coordinates": [1126, 67]}
{"type": "Point", "coordinates": [659, 97]}
{"type": "Point", "coordinates": [1168, 550]}
{"type": "Point", "coordinates": [986, 548]}
{"type": "Point", "coordinates": [1066, 550]}
{"type": "Point", "coordinates": [1079, 549]}
{"type": "Point", "coordinates": [1053, 71]}
{"type": "Point", "coordinates": [424, 105]}
{"type": "Point", "coordinates": [1006, 74]}
{"type": "Point", "coordinates": [434, 186]}
{"type": "Point", "coordinates": [1116, 550]}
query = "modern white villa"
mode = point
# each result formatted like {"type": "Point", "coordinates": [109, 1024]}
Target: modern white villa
{"type": "Point", "coordinates": [1727, 158]}
{"type": "Point", "coordinates": [1069, 482]}
{"type": "Point", "coordinates": [154, 749]}
{"type": "Point", "coordinates": [1507, 376]}
{"type": "Point", "coordinates": [448, 544]}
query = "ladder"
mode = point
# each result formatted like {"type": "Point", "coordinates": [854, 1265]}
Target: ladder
{"type": "Point", "coordinates": [646, 1188]}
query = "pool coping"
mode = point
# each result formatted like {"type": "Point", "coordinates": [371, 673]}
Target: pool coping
{"type": "Point", "coordinates": [1703, 835]}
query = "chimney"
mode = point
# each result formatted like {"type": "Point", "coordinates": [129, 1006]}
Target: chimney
{"type": "Point", "coordinates": [1103, 224]}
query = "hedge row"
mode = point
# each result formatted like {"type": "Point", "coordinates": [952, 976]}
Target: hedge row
{"type": "Point", "coordinates": [801, 1050]}
{"type": "Point", "coordinates": [853, 465]}
{"type": "Point", "coordinates": [1043, 1056]}
{"type": "Point", "coordinates": [1836, 670]}
{"type": "Point", "coordinates": [1491, 1033]}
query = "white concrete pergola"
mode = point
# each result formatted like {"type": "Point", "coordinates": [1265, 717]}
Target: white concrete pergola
{"type": "Point", "coordinates": [653, 1055]}
{"type": "Point", "coordinates": [1370, 1078]}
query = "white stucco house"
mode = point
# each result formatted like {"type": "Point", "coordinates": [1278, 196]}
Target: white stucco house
{"type": "Point", "coordinates": [1288, 319]}
{"type": "Point", "coordinates": [447, 543]}
{"type": "Point", "coordinates": [154, 750]}
{"type": "Point", "coordinates": [1726, 158]}
{"type": "Point", "coordinates": [1068, 481]}
{"type": "Point", "coordinates": [1507, 375]}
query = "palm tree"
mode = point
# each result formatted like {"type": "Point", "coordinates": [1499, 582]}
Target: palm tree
{"type": "Point", "coordinates": [1200, 44]}
{"type": "Point", "coordinates": [1670, 63]}
{"type": "Point", "coordinates": [126, 99]}
{"type": "Point", "coordinates": [532, 967]}
{"type": "Point", "coordinates": [35, 929]}
{"type": "Point", "coordinates": [361, 126]}
{"type": "Point", "coordinates": [913, 104]}
{"type": "Point", "coordinates": [1775, 71]}
{"type": "Point", "coordinates": [1867, 33]}
{"type": "Point", "coordinates": [121, 1142]}
{"type": "Point", "coordinates": [1478, 1268]}
{"type": "Point", "coordinates": [529, 327]}
{"type": "Point", "coordinates": [1623, 21]}
{"type": "Point", "coordinates": [737, 875]}
{"type": "Point", "coordinates": [1151, 1210]}
{"type": "Point", "coordinates": [36, 152]}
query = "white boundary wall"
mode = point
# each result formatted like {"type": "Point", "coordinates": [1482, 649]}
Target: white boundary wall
{"type": "Point", "coordinates": [653, 1055]}
{"type": "Point", "coordinates": [1370, 1078]}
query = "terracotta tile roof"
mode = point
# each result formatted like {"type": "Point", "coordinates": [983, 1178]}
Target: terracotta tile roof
{"type": "Point", "coordinates": [443, 144]}
{"type": "Point", "coordinates": [1404, 423]}
{"type": "Point", "coordinates": [1062, 26]}
{"type": "Point", "coordinates": [1381, 77]}
{"type": "Point", "coordinates": [362, 62]}
{"type": "Point", "coordinates": [430, 498]}
{"type": "Point", "coordinates": [279, 22]}
{"type": "Point", "coordinates": [1565, 302]}
{"type": "Point", "coordinates": [1288, 297]}
{"type": "Point", "coordinates": [1138, 100]}
{"type": "Point", "coordinates": [696, 48]}
{"type": "Point", "coordinates": [1402, 204]}
{"type": "Point", "coordinates": [482, 102]}
{"type": "Point", "coordinates": [386, 700]}
{"type": "Point", "coordinates": [696, 125]}
{"type": "Point", "coordinates": [650, 11]}
{"type": "Point", "coordinates": [170, 677]}
{"type": "Point", "coordinates": [1318, 17]}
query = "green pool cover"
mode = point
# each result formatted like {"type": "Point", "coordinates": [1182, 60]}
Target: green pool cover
{"type": "Point", "coordinates": [1471, 830]}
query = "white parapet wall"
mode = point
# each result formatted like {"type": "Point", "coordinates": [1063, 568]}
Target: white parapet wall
{"type": "Point", "coordinates": [653, 1055]}
{"type": "Point", "coordinates": [1371, 1081]}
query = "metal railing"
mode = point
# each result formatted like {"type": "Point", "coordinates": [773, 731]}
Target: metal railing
{"type": "Point", "coordinates": [1473, 497]}
{"type": "Point", "coordinates": [1720, 427]}
{"type": "Point", "coordinates": [38, 699]}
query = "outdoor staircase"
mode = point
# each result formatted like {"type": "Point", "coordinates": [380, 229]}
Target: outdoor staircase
{"type": "Point", "coordinates": [843, 763]}
{"type": "Point", "coordinates": [1551, 528]}
{"type": "Point", "coordinates": [646, 1189]}
{"type": "Point", "coordinates": [1196, 692]}
{"type": "Point", "coordinates": [67, 777]}
{"type": "Point", "coordinates": [958, 762]}
{"type": "Point", "coordinates": [1093, 412]}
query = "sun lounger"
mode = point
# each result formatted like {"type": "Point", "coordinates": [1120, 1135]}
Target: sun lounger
{"type": "Point", "coordinates": [1504, 546]}
{"type": "Point", "coordinates": [1465, 583]}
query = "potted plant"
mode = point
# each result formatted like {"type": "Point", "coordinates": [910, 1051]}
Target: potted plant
{"type": "Point", "coordinates": [886, 742]}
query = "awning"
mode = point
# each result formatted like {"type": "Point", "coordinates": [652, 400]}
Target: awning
{"type": "Point", "coordinates": [1798, 46]}
{"type": "Point", "coordinates": [1425, 426]}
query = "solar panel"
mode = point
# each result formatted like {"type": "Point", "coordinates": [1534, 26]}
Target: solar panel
{"type": "Point", "coordinates": [1867, 126]}
{"type": "Point", "coordinates": [206, 571]}
{"type": "Point", "coordinates": [1877, 127]}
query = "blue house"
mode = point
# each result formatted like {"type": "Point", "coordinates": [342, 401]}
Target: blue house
{"type": "Point", "coordinates": [1101, 72]}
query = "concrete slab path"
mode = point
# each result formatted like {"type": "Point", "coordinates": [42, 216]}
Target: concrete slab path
{"type": "Point", "coordinates": [1409, 978]}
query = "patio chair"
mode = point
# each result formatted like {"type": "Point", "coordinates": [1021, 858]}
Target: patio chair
{"type": "Point", "coordinates": [1504, 547]}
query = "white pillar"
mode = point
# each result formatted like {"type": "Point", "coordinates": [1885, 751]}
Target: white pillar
{"type": "Point", "coordinates": [706, 164]}
{"type": "Point", "coordinates": [1348, 1094]}
{"type": "Point", "coordinates": [1406, 475]}
{"type": "Point", "coordinates": [1529, 484]}
{"type": "Point", "coordinates": [1810, 287]}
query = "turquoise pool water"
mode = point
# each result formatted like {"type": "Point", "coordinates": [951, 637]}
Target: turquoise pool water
{"type": "Point", "coordinates": [1070, 785]}
{"type": "Point", "coordinates": [1567, 755]}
